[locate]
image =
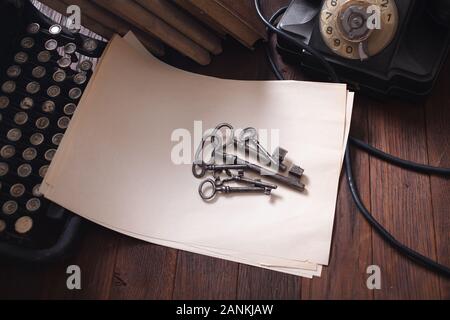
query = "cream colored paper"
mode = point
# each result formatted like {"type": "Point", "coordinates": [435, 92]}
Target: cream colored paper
{"type": "Point", "coordinates": [113, 170]}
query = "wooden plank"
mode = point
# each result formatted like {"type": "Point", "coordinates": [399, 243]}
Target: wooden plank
{"type": "Point", "coordinates": [351, 252]}
{"type": "Point", "coordinates": [143, 271]}
{"type": "Point", "coordinates": [401, 200]}
{"type": "Point", "coordinates": [149, 23]}
{"type": "Point", "coordinates": [438, 141]}
{"type": "Point", "coordinates": [201, 277]}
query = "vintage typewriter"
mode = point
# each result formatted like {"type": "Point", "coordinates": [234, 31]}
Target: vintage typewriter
{"type": "Point", "coordinates": [44, 69]}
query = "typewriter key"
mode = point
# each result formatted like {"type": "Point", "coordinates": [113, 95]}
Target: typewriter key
{"type": "Point", "coordinates": [14, 71]}
{"type": "Point", "coordinates": [64, 62]}
{"type": "Point", "coordinates": [44, 56]}
{"type": "Point", "coordinates": [63, 122]}
{"type": "Point", "coordinates": [57, 138]}
{"type": "Point", "coordinates": [7, 151]}
{"type": "Point", "coordinates": [4, 102]}
{"type": "Point", "coordinates": [53, 91]}
{"type": "Point", "coordinates": [37, 139]}
{"type": "Point", "coordinates": [14, 135]}
{"type": "Point", "coordinates": [4, 169]}
{"type": "Point", "coordinates": [70, 48]}
{"type": "Point", "coordinates": [17, 190]}
{"type": "Point", "coordinates": [38, 72]}
{"type": "Point", "coordinates": [23, 225]}
{"type": "Point", "coordinates": [75, 93]}
{"type": "Point", "coordinates": [33, 87]}
{"type": "Point", "coordinates": [33, 28]}
{"type": "Point", "coordinates": [36, 192]}
{"type": "Point", "coordinates": [29, 154]}
{"type": "Point", "coordinates": [69, 109]}
{"type": "Point", "coordinates": [20, 118]}
{"type": "Point", "coordinates": [43, 171]}
{"type": "Point", "coordinates": [85, 65]}
{"type": "Point", "coordinates": [48, 106]}
{"type": "Point", "coordinates": [51, 45]}
{"type": "Point", "coordinates": [27, 43]}
{"type": "Point", "coordinates": [89, 44]}
{"type": "Point", "coordinates": [24, 170]}
{"type": "Point", "coordinates": [55, 29]}
{"type": "Point", "coordinates": [33, 204]}
{"type": "Point", "coordinates": [50, 154]}
{"type": "Point", "coordinates": [10, 207]}
{"type": "Point", "coordinates": [9, 86]}
{"type": "Point", "coordinates": [2, 226]}
{"type": "Point", "coordinates": [80, 78]}
{"type": "Point", "coordinates": [42, 123]}
{"type": "Point", "coordinates": [21, 57]}
{"type": "Point", "coordinates": [59, 75]}
{"type": "Point", "coordinates": [27, 103]}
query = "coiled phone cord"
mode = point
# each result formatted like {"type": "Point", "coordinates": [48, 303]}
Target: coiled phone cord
{"type": "Point", "coordinates": [403, 249]}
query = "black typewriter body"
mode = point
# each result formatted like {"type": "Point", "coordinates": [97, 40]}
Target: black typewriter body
{"type": "Point", "coordinates": [401, 57]}
{"type": "Point", "coordinates": [44, 69]}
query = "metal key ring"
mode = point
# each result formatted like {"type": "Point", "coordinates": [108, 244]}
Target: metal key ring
{"type": "Point", "coordinates": [201, 173]}
{"type": "Point", "coordinates": [207, 196]}
{"type": "Point", "coordinates": [220, 127]}
{"type": "Point", "coordinates": [248, 134]}
{"type": "Point", "coordinates": [198, 158]}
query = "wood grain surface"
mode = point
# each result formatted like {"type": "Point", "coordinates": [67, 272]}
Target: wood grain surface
{"type": "Point", "coordinates": [415, 208]}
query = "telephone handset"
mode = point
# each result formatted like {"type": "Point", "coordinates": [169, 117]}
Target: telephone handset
{"type": "Point", "coordinates": [387, 47]}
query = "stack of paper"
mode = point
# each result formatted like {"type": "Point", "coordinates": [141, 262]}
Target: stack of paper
{"type": "Point", "coordinates": [115, 165]}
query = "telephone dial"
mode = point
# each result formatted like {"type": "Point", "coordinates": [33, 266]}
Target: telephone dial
{"type": "Point", "coordinates": [381, 47]}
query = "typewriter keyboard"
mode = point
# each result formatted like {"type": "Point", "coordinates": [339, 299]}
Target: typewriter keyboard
{"type": "Point", "coordinates": [41, 85]}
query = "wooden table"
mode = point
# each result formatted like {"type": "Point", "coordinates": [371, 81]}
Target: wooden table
{"type": "Point", "coordinates": [415, 208]}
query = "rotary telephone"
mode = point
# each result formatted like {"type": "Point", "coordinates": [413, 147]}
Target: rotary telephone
{"type": "Point", "coordinates": [380, 47]}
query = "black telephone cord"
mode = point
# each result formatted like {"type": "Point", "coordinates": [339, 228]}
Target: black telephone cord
{"type": "Point", "coordinates": [403, 249]}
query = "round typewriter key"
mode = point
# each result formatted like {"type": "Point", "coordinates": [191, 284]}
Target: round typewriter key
{"type": "Point", "coordinates": [89, 45]}
{"type": "Point", "coordinates": [14, 135]}
{"type": "Point", "coordinates": [48, 106]}
{"type": "Point", "coordinates": [4, 169]}
{"type": "Point", "coordinates": [10, 207]}
{"type": "Point", "coordinates": [27, 103]}
{"type": "Point", "coordinates": [75, 93]}
{"type": "Point", "coordinates": [4, 102]}
{"type": "Point", "coordinates": [27, 43]}
{"type": "Point", "coordinates": [7, 151]}
{"type": "Point", "coordinates": [80, 78]}
{"type": "Point", "coordinates": [64, 62]}
{"type": "Point", "coordinates": [43, 171]}
{"type": "Point", "coordinates": [2, 226]}
{"type": "Point", "coordinates": [23, 225]}
{"type": "Point", "coordinates": [57, 138]}
{"type": "Point", "coordinates": [20, 118]}
{"type": "Point", "coordinates": [37, 139]}
{"type": "Point", "coordinates": [42, 123]}
{"type": "Point", "coordinates": [38, 72]}
{"type": "Point", "coordinates": [44, 56]}
{"type": "Point", "coordinates": [9, 86]}
{"type": "Point", "coordinates": [21, 57]}
{"type": "Point", "coordinates": [53, 91]}
{"type": "Point", "coordinates": [33, 204]}
{"type": "Point", "coordinates": [17, 190]}
{"type": "Point", "coordinates": [59, 75]}
{"type": "Point", "coordinates": [14, 71]}
{"type": "Point", "coordinates": [70, 48]}
{"type": "Point", "coordinates": [24, 170]}
{"type": "Point", "coordinates": [50, 154]}
{"type": "Point", "coordinates": [36, 191]}
{"type": "Point", "coordinates": [51, 44]}
{"type": "Point", "coordinates": [29, 154]}
{"type": "Point", "coordinates": [63, 122]}
{"type": "Point", "coordinates": [33, 87]}
{"type": "Point", "coordinates": [85, 65]}
{"type": "Point", "coordinates": [55, 29]}
{"type": "Point", "coordinates": [69, 109]}
{"type": "Point", "coordinates": [33, 28]}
